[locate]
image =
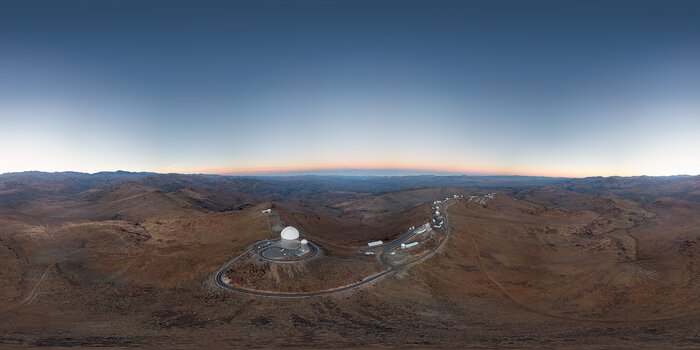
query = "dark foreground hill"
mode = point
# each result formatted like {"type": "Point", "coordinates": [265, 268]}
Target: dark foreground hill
{"type": "Point", "coordinates": [123, 259]}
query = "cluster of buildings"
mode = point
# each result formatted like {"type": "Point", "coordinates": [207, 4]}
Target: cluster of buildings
{"type": "Point", "coordinates": [412, 230]}
{"type": "Point", "coordinates": [437, 220]}
{"type": "Point", "coordinates": [483, 200]}
{"type": "Point", "coordinates": [422, 229]}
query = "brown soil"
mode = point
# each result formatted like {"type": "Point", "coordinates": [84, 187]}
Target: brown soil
{"type": "Point", "coordinates": [540, 268]}
{"type": "Point", "coordinates": [320, 273]}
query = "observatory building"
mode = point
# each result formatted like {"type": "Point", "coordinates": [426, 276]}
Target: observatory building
{"type": "Point", "coordinates": [304, 247]}
{"type": "Point", "coordinates": [290, 238]}
{"type": "Point", "coordinates": [289, 247]}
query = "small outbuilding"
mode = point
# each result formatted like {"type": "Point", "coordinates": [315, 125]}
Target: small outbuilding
{"type": "Point", "coordinates": [375, 243]}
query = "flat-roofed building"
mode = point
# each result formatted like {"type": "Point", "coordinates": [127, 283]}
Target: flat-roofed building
{"type": "Point", "coordinates": [375, 243]}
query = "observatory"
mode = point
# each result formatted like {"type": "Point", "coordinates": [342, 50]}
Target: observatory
{"type": "Point", "coordinates": [289, 248]}
{"type": "Point", "coordinates": [290, 238]}
{"type": "Point", "coordinates": [290, 233]}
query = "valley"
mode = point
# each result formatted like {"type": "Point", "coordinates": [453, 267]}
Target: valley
{"type": "Point", "coordinates": [576, 264]}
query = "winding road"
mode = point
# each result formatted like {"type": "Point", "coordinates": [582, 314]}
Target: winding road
{"type": "Point", "coordinates": [383, 258]}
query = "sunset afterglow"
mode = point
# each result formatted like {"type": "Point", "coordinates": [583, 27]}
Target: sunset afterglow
{"type": "Point", "coordinates": [452, 91]}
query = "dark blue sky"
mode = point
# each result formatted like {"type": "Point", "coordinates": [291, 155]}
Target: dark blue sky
{"type": "Point", "coordinates": [530, 87]}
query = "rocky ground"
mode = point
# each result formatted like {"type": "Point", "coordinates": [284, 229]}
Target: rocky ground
{"type": "Point", "coordinates": [538, 267]}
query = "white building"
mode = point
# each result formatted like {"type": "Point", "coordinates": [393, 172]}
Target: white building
{"type": "Point", "coordinates": [304, 246]}
{"type": "Point", "coordinates": [266, 211]}
{"type": "Point", "coordinates": [290, 238]}
{"type": "Point", "coordinates": [409, 245]}
{"type": "Point", "coordinates": [375, 243]}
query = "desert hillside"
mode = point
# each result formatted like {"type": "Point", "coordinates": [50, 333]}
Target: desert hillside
{"type": "Point", "coordinates": [123, 261]}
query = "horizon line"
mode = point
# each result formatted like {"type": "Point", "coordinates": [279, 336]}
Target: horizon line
{"type": "Point", "coordinates": [349, 172]}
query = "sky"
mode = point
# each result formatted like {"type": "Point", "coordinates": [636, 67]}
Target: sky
{"type": "Point", "coordinates": [551, 88]}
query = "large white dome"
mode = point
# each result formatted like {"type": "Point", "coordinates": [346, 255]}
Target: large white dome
{"type": "Point", "coordinates": [290, 233]}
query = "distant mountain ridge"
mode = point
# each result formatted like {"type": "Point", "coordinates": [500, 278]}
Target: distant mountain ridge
{"type": "Point", "coordinates": [222, 192]}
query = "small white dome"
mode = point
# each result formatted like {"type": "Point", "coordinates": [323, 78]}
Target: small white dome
{"type": "Point", "coordinates": [290, 233]}
{"type": "Point", "coordinates": [303, 241]}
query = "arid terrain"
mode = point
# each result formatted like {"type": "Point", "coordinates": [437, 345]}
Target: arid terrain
{"type": "Point", "coordinates": [126, 259]}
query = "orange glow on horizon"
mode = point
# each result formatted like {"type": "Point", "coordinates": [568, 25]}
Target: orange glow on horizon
{"type": "Point", "coordinates": [427, 169]}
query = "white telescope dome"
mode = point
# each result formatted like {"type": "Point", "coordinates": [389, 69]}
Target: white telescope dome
{"type": "Point", "coordinates": [290, 233]}
{"type": "Point", "coordinates": [303, 241]}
